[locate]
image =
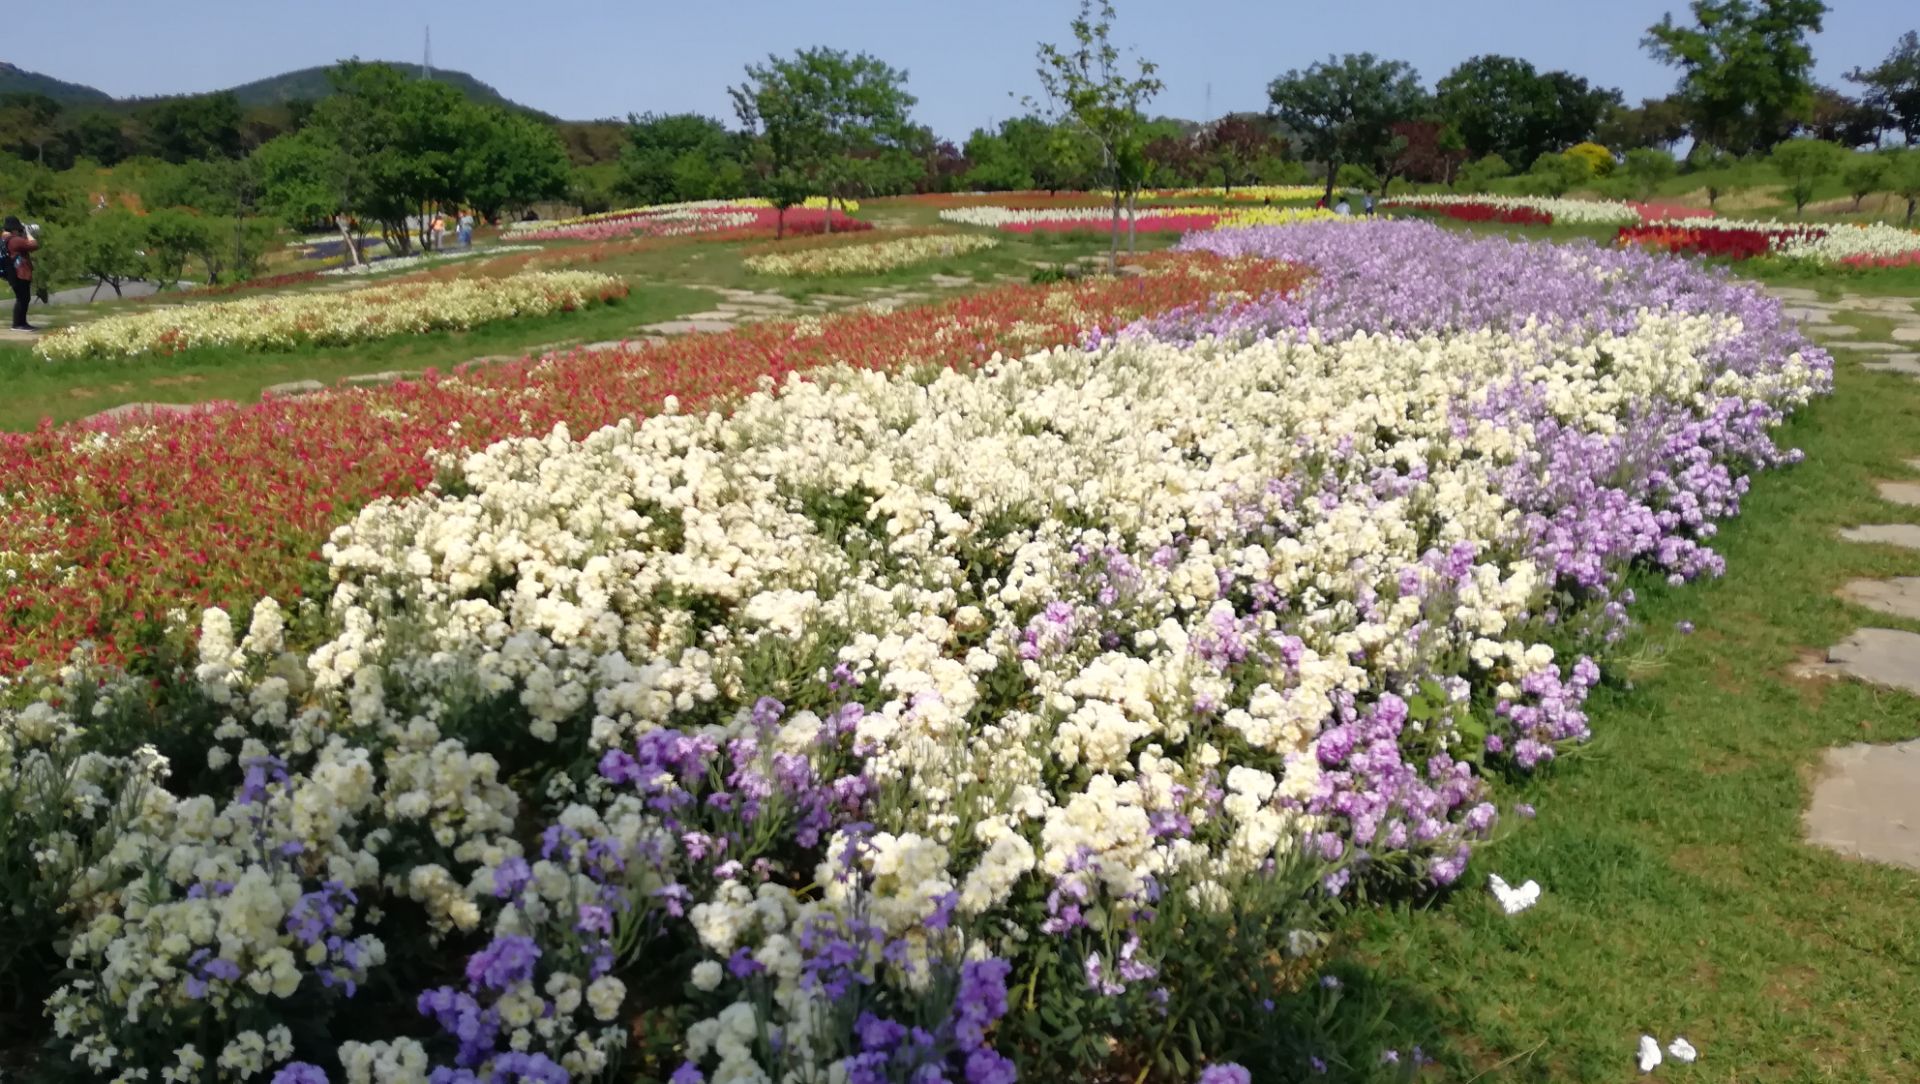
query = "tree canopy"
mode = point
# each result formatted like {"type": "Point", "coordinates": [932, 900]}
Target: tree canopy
{"type": "Point", "coordinates": [1745, 67]}
{"type": "Point", "coordinates": [824, 121]}
{"type": "Point", "coordinates": [1502, 105]}
{"type": "Point", "coordinates": [1342, 110]}
{"type": "Point", "coordinates": [1892, 88]}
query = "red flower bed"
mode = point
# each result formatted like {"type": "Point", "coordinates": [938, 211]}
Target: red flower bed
{"type": "Point", "coordinates": [1904, 259]}
{"type": "Point", "coordinates": [1481, 212]}
{"type": "Point", "coordinates": [102, 533]}
{"type": "Point", "coordinates": [1149, 223]}
{"type": "Point", "coordinates": [1730, 244]}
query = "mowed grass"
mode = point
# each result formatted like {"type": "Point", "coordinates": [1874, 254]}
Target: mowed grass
{"type": "Point", "coordinates": [1679, 898]}
{"type": "Point", "coordinates": [62, 391]}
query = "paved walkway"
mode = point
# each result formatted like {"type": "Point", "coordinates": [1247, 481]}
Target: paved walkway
{"type": "Point", "coordinates": [1866, 803]}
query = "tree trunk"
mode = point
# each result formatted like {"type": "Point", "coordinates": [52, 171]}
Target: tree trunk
{"type": "Point", "coordinates": [1133, 217]}
{"type": "Point", "coordinates": [353, 250]}
{"type": "Point", "coordinates": [1333, 167]}
{"type": "Point", "coordinates": [1113, 248]}
{"type": "Point", "coordinates": [1910, 202]}
{"type": "Point", "coordinates": [829, 216]}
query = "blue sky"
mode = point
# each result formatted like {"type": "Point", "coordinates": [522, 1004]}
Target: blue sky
{"type": "Point", "coordinates": [968, 61]}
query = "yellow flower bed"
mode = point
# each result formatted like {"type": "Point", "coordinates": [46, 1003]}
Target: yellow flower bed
{"type": "Point", "coordinates": [867, 259]}
{"type": "Point", "coordinates": [330, 319]}
{"type": "Point", "coordinates": [1278, 216]}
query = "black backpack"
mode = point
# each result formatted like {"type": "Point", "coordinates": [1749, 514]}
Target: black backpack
{"type": "Point", "coordinates": [7, 262]}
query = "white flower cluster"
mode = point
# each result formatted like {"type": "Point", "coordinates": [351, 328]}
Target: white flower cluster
{"type": "Point", "coordinates": [372, 312]}
{"type": "Point", "coordinates": [1580, 212]}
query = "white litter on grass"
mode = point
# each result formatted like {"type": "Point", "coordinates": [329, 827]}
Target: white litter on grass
{"type": "Point", "coordinates": [1513, 900]}
{"type": "Point", "coordinates": [1649, 1053]}
{"type": "Point", "coordinates": [1682, 1051]}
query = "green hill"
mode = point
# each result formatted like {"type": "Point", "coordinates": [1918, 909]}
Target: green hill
{"type": "Point", "coordinates": [311, 83]}
{"type": "Point", "coordinates": [307, 83]}
{"type": "Point", "coordinates": [14, 80]}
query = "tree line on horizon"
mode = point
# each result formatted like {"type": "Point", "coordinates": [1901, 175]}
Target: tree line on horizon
{"type": "Point", "coordinates": [386, 148]}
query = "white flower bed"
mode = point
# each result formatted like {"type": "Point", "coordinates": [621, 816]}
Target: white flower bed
{"type": "Point", "coordinates": [423, 259]}
{"type": "Point", "coordinates": [867, 258]}
{"type": "Point", "coordinates": [1583, 212]}
{"type": "Point", "coordinates": [285, 321]}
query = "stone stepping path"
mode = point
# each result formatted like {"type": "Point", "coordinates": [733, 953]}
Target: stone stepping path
{"type": "Point", "coordinates": [1906, 364]}
{"type": "Point", "coordinates": [1885, 534]}
{"type": "Point", "coordinates": [1867, 803]}
{"type": "Point", "coordinates": [1889, 657]}
{"type": "Point", "coordinates": [1899, 596]}
{"type": "Point", "coordinates": [1901, 492]}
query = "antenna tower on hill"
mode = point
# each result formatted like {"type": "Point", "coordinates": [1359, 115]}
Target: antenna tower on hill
{"type": "Point", "coordinates": [426, 58]}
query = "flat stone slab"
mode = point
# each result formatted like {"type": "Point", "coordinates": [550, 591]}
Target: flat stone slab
{"type": "Point", "coordinates": [1908, 364]}
{"type": "Point", "coordinates": [1867, 803]}
{"type": "Point", "coordinates": [391, 376]}
{"type": "Point", "coordinates": [1906, 334]}
{"type": "Point", "coordinates": [684, 327]}
{"type": "Point", "coordinates": [950, 280]}
{"type": "Point", "coordinates": [1885, 534]}
{"type": "Point", "coordinates": [1887, 657]}
{"type": "Point", "coordinates": [1793, 293]}
{"type": "Point", "coordinates": [1892, 306]}
{"type": "Point", "coordinates": [1835, 330]}
{"type": "Point", "coordinates": [156, 411]}
{"type": "Point", "coordinates": [1901, 492]}
{"type": "Point", "coordinates": [1809, 315]}
{"type": "Point", "coordinates": [1899, 596]}
{"type": "Point", "coordinates": [294, 387]}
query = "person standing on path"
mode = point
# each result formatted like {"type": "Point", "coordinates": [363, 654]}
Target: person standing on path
{"type": "Point", "coordinates": [16, 266]}
{"type": "Point", "coordinates": [466, 229]}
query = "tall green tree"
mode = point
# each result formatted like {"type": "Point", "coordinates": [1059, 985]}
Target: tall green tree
{"type": "Point", "coordinates": [1502, 105]}
{"type": "Point", "coordinates": [1645, 168]}
{"type": "Point", "coordinates": [28, 123]}
{"type": "Point", "coordinates": [1904, 179]}
{"type": "Point", "coordinates": [1893, 86]}
{"type": "Point", "coordinates": [1090, 88]}
{"type": "Point", "coordinates": [825, 121]}
{"type": "Point", "coordinates": [510, 159]}
{"type": "Point", "coordinates": [1745, 67]}
{"type": "Point", "coordinates": [1655, 122]}
{"type": "Point", "coordinates": [202, 126]}
{"type": "Point", "coordinates": [107, 248]}
{"type": "Point", "coordinates": [1342, 110]}
{"type": "Point", "coordinates": [1865, 175]}
{"type": "Point", "coordinates": [1803, 164]}
{"type": "Point", "coordinates": [679, 156]}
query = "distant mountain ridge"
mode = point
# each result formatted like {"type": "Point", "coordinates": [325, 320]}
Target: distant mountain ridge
{"type": "Point", "coordinates": [306, 83]}
{"type": "Point", "coordinates": [15, 80]}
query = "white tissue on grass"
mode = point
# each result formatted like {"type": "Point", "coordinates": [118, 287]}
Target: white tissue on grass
{"type": "Point", "coordinates": [1513, 900]}
{"type": "Point", "coordinates": [1682, 1050]}
{"type": "Point", "coordinates": [1649, 1053]}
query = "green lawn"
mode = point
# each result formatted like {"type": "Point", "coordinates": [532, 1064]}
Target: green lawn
{"type": "Point", "coordinates": [1678, 896]}
{"type": "Point", "coordinates": [63, 391]}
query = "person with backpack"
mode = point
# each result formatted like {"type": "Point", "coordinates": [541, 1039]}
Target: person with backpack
{"type": "Point", "coordinates": [16, 266]}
